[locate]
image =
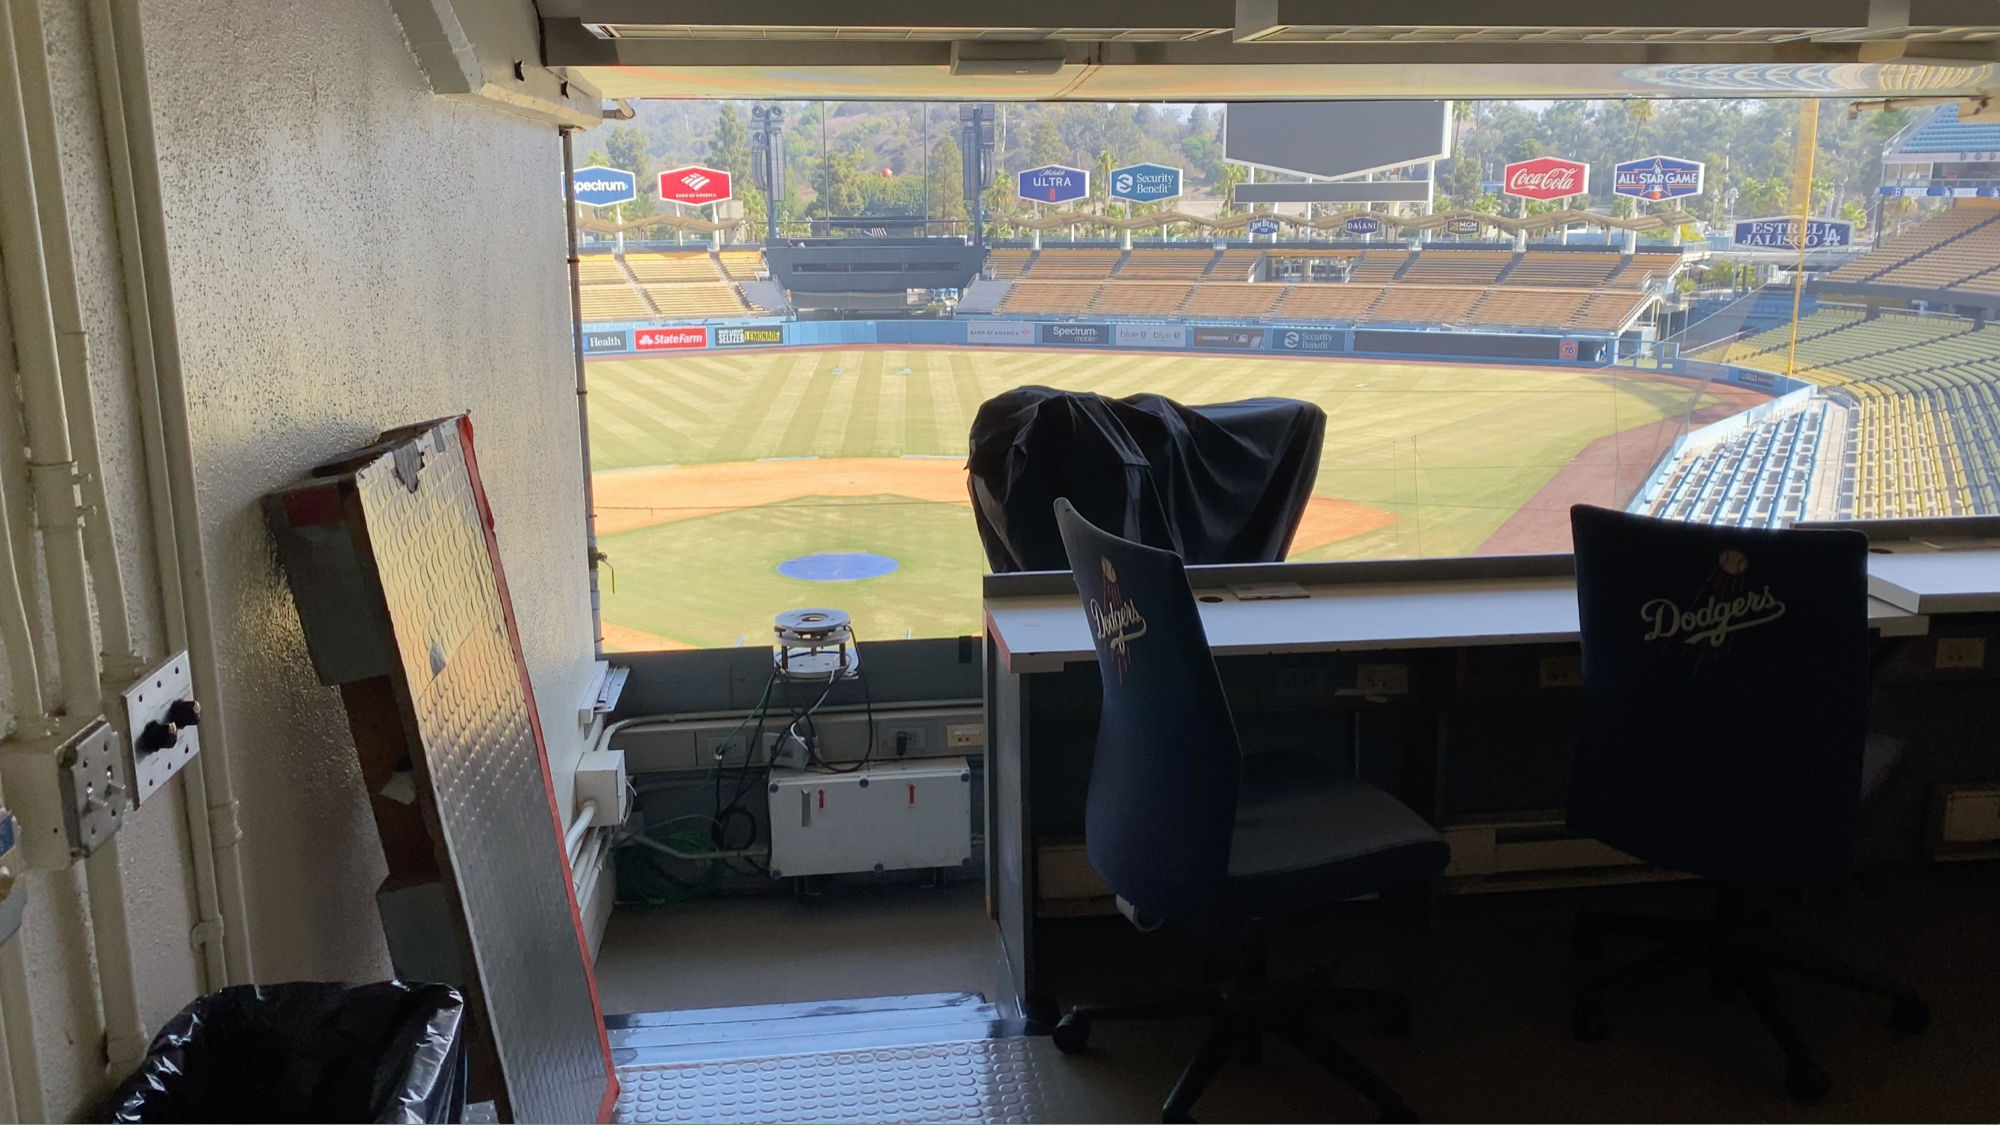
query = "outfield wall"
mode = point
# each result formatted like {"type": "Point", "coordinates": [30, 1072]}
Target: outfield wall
{"type": "Point", "coordinates": [1541, 348]}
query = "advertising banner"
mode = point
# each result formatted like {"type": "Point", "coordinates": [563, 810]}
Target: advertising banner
{"type": "Point", "coordinates": [694, 184]}
{"type": "Point", "coordinates": [1783, 234]}
{"type": "Point", "coordinates": [1657, 177]}
{"type": "Point", "coordinates": [1089, 335]}
{"type": "Point", "coordinates": [1566, 350]}
{"type": "Point", "coordinates": [665, 339]}
{"type": "Point", "coordinates": [1149, 335]}
{"type": "Point", "coordinates": [1364, 224]}
{"type": "Point", "coordinates": [1264, 224]}
{"type": "Point", "coordinates": [1462, 226]}
{"type": "Point", "coordinates": [1306, 339]}
{"type": "Point", "coordinates": [1052, 184]}
{"type": "Point", "coordinates": [1546, 177]}
{"type": "Point", "coordinates": [594, 342]}
{"type": "Point", "coordinates": [604, 187]}
{"type": "Point", "coordinates": [739, 337]}
{"type": "Point", "coordinates": [1240, 339]}
{"type": "Point", "coordinates": [1145, 183]}
{"type": "Point", "coordinates": [999, 332]}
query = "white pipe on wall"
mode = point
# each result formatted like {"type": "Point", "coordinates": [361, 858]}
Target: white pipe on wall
{"type": "Point", "coordinates": [23, 1065]}
{"type": "Point", "coordinates": [209, 936]}
{"type": "Point", "coordinates": [34, 231]}
{"type": "Point", "coordinates": [17, 634]}
{"type": "Point", "coordinates": [116, 28]}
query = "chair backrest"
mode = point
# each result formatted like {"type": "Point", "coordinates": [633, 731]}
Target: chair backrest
{"type": "Point", "coordinates": [1162, 802]}
{"type": "Point", "coordinates": [1725, 684]}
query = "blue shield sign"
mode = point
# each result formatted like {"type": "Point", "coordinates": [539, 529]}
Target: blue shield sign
{"type": "Point", "coordinates": [1657, 177]}
{"type": "Point", "coordinates": [1053, 184]}
{"type": "Point", "coordinates": [1363, 224]}
{"type": "Point", "coordinates": [604, 187]}
{"type": "Point", "coordinates": [1783, 234]}
{"type": "Point", "coordinates": [1145, 183]}
{"type": "Point", "coordinates": [1264, 224]}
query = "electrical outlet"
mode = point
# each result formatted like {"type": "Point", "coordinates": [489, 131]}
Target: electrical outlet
{"type": "Point", "coordinates": [903, 739]}
{"type": "Point", "coordinates": [1561, 672]}
{"type": "Point", "coordinates": [1961, 652]}
{"type": "Point", "coordinates": [1382, 679]}
{"type": "Point", "coordinates": [1296, 683]}
{"type": "Point", "coordinates": [163, 719]}
{"type": "Point", "coordinates": [959, 735]}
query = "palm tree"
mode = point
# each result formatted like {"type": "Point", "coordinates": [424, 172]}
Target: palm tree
{"type": "Point", "coordinates": [1232, 174]}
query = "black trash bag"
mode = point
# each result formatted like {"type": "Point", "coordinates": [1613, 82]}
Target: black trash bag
{"type": "Point", "coordinates": [1226, 483]}
{"type": "Point", "coordinates": [307, 1051]}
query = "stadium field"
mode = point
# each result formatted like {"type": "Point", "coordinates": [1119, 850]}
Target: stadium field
{"type": "Point", "coordinates": [712, 469]}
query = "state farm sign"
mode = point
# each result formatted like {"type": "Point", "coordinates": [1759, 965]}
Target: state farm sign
{"type": "Point", "coordinates": [695, 185]}
{"type": "Point", "coordinates": [1546, 177]}
{"type": "Point", "coordinates": [662, 339]}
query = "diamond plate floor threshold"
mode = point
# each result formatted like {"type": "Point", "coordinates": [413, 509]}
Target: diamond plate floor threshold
{"type": "Point", "coordinates": [765, 1030]}
{"type": "Point", "coordinates": [988, 1080]}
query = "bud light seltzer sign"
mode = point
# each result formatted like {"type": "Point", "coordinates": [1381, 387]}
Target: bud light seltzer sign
{"type": "Point", "coordinates": [1657, 177]}
{"type": "Point", "coordinates": [1546, 177]}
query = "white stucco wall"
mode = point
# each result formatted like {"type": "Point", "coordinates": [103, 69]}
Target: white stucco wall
{"type": "Point", "coordinates": [349, 253]}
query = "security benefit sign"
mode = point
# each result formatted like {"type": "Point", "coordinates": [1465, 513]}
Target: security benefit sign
{"type": "Point", "coordinates": [604, 187]}
{"type": "Point", "coordinates": [1307, 340]}
{"type": "Point", "coordinates": [1783, 234]}
{"type": "Point", "coordinates": [1657, 177]}
{"type": "Point", "coordinates": [1145, 183]}
{"type": "Point", "coordinates": [1052, 184]}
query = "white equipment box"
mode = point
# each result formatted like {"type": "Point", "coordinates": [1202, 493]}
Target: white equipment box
{"type": "Point", "coordinates": [889, 816]}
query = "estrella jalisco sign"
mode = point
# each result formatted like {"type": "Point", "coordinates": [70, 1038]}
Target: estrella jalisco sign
{"type": "Point", "coordinates": [1783, 233]}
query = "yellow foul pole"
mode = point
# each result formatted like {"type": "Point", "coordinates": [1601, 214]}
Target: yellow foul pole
{"type": "Point", "coordinates": [1802, 175]}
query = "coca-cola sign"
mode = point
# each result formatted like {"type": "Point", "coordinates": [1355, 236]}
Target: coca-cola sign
{"type": "Point", "coordinates": [1546, 177]}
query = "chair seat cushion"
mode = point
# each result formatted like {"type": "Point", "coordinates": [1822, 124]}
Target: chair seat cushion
{"type": "Point", "coordinates": [1305, 839]}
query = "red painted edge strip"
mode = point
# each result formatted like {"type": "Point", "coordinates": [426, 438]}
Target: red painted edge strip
{"type": "Point", "coordinates": [610, 1100]}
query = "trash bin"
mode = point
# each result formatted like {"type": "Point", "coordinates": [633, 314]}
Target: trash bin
{"type": "Point", "coordinates": [307, 1051]}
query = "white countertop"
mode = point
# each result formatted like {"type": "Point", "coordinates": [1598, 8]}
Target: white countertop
{"type": "Point", "coordinates": [1043, 633]}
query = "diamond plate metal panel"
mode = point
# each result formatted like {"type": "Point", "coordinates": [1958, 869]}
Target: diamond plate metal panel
{"type": "Point", "coordinates": [488, 771]}
{"type": "Point", "coordinates": [1016, 1079]}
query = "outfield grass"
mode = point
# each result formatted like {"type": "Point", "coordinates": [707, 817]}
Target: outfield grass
{"type": "Point", "coordinates": [1452, 450]}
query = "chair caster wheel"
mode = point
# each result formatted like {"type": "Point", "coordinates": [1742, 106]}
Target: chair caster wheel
{"type": "Point", "coordinates": [1071, 1034]}
{"type": "Point", "coordinates": [1806, 1082]}
{"type": "Point", "coordinates": [1589, 1022]}
{"type": "Point", "coordinates": [1910, 1016]}
{"type": "Point", "coordinates": [1397, 1018]}
{"type": "Point", "coordinates": [1395, 1111]}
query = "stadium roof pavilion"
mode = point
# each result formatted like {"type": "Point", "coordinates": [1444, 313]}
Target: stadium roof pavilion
{"type": "Point", "coordinates": [1219, 50]}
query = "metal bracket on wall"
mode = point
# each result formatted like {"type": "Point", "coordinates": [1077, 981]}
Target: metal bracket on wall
{"type": "Point", "coordinates": [94, 787]}
{"type": "Point", "coordinates": [163, 718]}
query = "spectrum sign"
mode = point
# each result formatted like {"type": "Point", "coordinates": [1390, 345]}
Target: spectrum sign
{"type": "Point", "coordinates": [695, 185]}
{"type": "Point", "coordinates": [1546, 177]}
{"type": "Point", "coordinates": [1657, 177]}
{"type": "Point", "coordinates": [604, 187]}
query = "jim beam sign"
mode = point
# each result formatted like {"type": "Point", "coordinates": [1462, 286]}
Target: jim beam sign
{"type": "Point", "coordinates": [1545, 178]}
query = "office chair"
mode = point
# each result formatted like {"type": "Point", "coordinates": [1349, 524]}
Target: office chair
{"type": "Point", "coordinates": [1187, 836]}
{"type": "Point", "coordinates": [1725, 686]}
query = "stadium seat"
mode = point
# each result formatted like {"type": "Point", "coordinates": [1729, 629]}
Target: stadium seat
{"type": "Point", "coordinates": [1425, 304]}
{"type": "Point", "coordinates": [600, 269]}
{"type": "Point", "coordinates": [1236, 265]}
{"type": "Point", "coordinates": [1566, 271]}
{"type": "Point", "coordinates": [649, 268]}
{"type": "Point", "coordinates": [1079, 264]}
{"type": "Point", "coordinates": [1349, 302]}
{"type": "Point", "coordinates": [1166, 265]}
{"type": "Point", "coordinates": [1527, 307]}
{"type": "Point", "coordinates": [1436, 266]}
{"type": "Point", "coordinates": [697, 300]}
{"type": "Point", "coordinates": [1140, 298]}
{"type": "Point", "coordinates": [1378, 267]}
{"type": "Point", "coordinates": [742, 265]}
{"type": "Point", "coordinates": [1607, 310]}
{"type": "Point", "coordinates": [1055, 297]}
{"type": "Point", "coordinates": [1008, 263]}
{"type": "Point", "coordinates": [613, 302]}
{"type": "Point", "coordinates": [1233, 298]}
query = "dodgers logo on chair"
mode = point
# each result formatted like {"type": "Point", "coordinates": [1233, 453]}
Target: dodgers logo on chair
{"type": "Point", "coordinates": [1116, 622]}
{"type": "Point", "coordinates": [1725, 605]}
